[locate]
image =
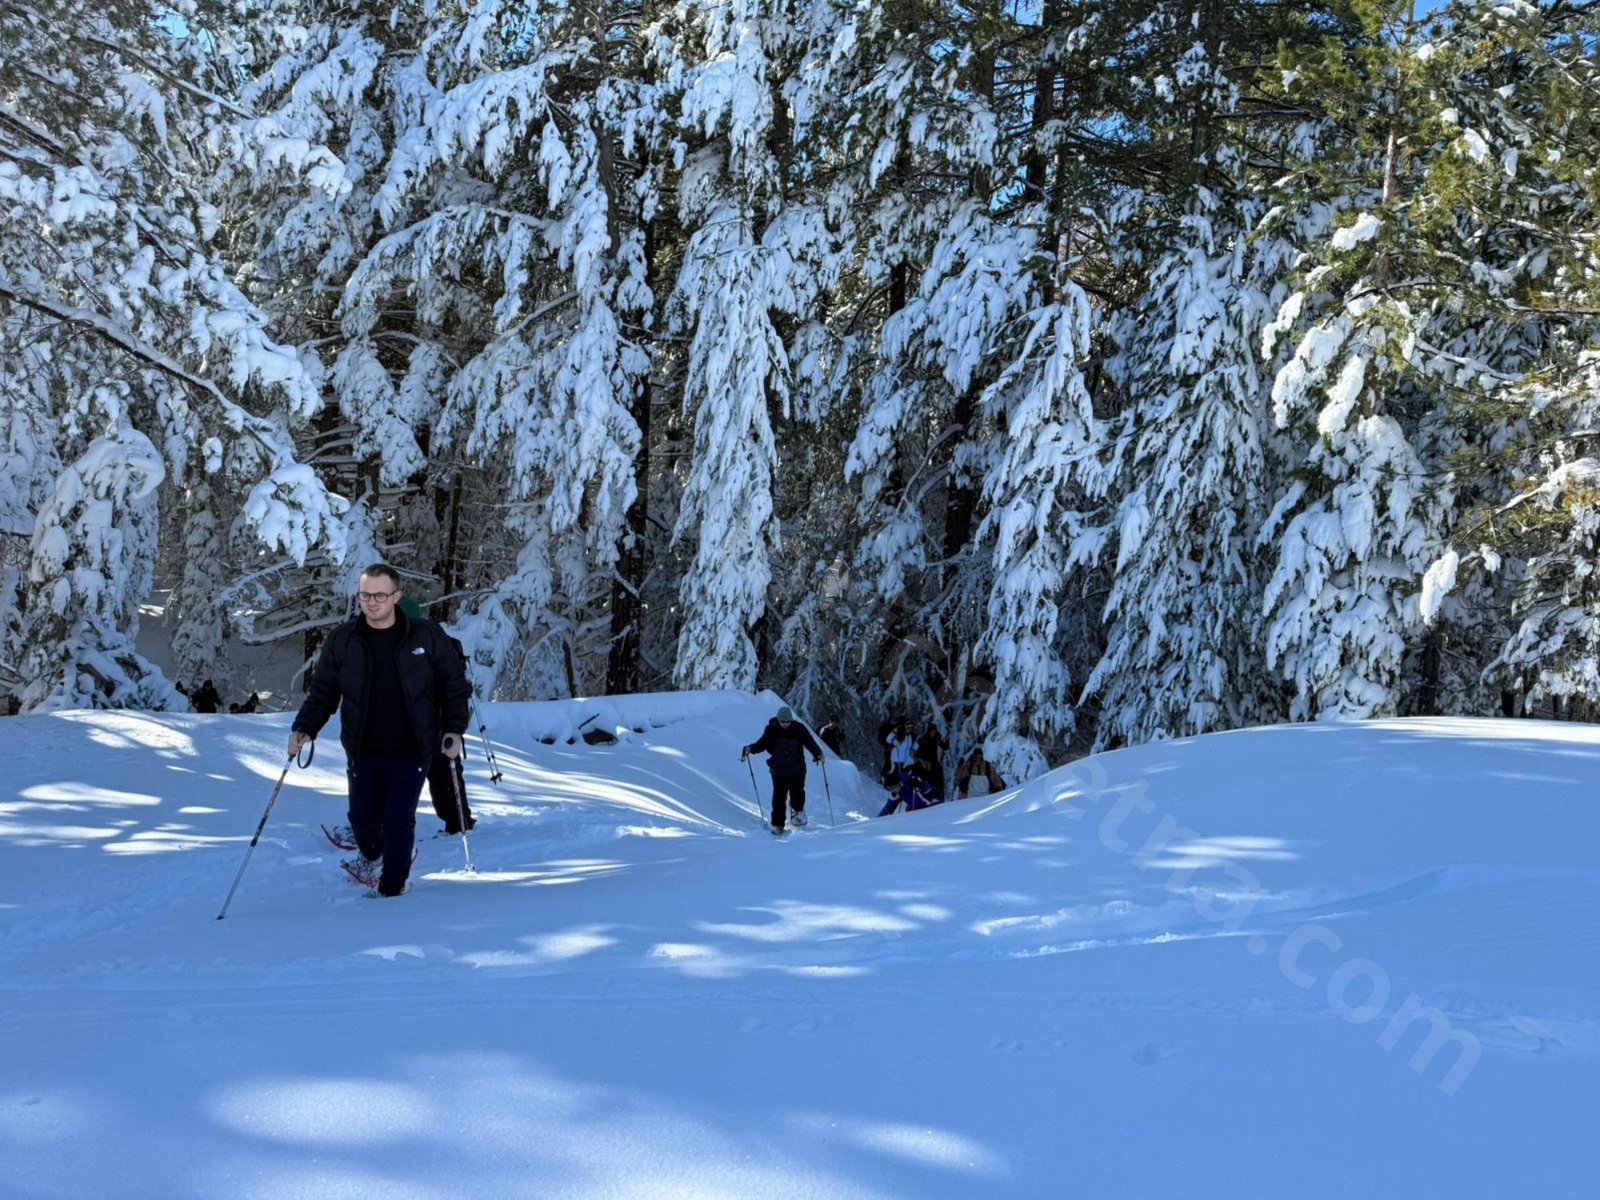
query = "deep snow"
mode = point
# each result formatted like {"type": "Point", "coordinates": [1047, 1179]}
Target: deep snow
{"type": "Point", "coordinates": [642, 994]}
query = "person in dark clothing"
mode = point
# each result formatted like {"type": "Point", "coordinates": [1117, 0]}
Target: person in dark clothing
{"type": "Point", "coordinates": [912, 792]}
{"type": "Point", "coordinates": [930, 752]}
{"type": "Point", "coordinates": [442, 790]}
{"type": "Point", "coordinates": [246, 706]}
{"type": "Point", "coordinates": [206, 698]}
{"type": "Point", "coordinates": [832, 735]}
{"type": "Point", "coordinates": [886, 734]}
{"type": "Point", "coordinates": [786, 741]}
{"type": "Point", "coordinates": [403, 693]}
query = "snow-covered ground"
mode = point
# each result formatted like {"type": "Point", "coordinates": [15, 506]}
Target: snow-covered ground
{"type": "Point", "coordinates": [1309, 961]}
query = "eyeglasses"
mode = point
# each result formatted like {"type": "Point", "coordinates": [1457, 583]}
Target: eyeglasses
{"type": "Point", "coordinates": [373, 597]}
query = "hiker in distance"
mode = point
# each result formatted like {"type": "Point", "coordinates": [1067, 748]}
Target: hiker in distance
{"type": "Point", "coordinates": [900, 748]}
{"type": "Point", "coordinates": [785, 741]}
{"type": "Point", "coordinates": [404, 694]}
{"type": "Point", "coordinates": [914, 792]}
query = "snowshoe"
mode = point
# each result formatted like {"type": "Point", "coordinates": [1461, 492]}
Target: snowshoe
{"type": "Point", "coordinates": [363, 870]}
{"type": "Point", "coordinates": [798, 818]}
{"type": "Point", "coordinates": [342, 836]}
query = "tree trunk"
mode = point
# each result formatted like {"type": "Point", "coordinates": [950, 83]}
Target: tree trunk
{"type": "Point", "coordinates": [623, 664]}
{"type": "Point", "coordinates": [1427, 704]}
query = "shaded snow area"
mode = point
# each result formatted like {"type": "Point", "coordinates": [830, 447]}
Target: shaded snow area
{"type": "Point", "coordinates": [1312, 961]}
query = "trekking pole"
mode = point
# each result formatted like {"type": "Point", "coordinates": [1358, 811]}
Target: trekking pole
{"type": "Point", "coordinates": [833, 822]}
{"type": "Point", "coordinates": [754, 790]}
{"type": "Point", "coordinates": [311, 753]}
{"type": "Point", "coordinates": [488, 751]}
{"type": "Point", "coordinates": [461, 811]}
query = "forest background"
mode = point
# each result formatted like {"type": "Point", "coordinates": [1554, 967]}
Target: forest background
{"type": "Point", "coordinates": [1076, 374]}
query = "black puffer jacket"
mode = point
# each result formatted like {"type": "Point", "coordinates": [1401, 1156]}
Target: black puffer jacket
{"type": "Point", "coordinates": [786, 747]}
{"type": "Point", "coordinates": [432, 676]}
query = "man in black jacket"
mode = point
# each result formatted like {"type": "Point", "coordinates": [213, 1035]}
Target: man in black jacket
{"type": "Point", "coordinates": [206, 698]}
{"type": "Point", "coordinates": [404, 692]}
{"type": "Point", "coordinates": [785, 741]}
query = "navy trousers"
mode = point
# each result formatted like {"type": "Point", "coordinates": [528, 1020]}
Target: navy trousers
{"type": "Point", "coordinates": [383, 813]}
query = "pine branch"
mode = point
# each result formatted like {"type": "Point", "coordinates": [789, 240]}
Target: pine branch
{"type": "Point", "coordinates": [239, 418]}
{"type": "Point", "coordinates": [180, 84]}
{"type": "Point", "coordinates": [15, 120]}
{"type": "Point", "coordinates": [95, 323]}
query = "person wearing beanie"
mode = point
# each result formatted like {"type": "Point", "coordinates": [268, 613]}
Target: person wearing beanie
{"type": "Point", "coordinates": [785, 742]}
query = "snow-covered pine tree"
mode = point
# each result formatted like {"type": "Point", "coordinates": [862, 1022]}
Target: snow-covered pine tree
{"type": "Point", "coordinates": [194, 612]}
{"type": "Point", "coordinates": [1450, 314]}
{"type": "Point", "coordinates": [916, 154]}
{"type": "Point", "coordinates": [489, 267]}
{"type": "Point", "coordinates": [146, 361]}
{"type": "Point", "coordinates": [1515, 164]}
{"type": "Point", "coordinates": [1042, 405]}
{"type": "Point", "coordinates": [302, 165]}
{"type": "Point", "coordinates": [984, 303]}
{"type": "Point", "coordinates": [29, 465]}
{"type": "Point", "coordinates": [1192, 426]}
{"type": "Point", "coordinates": [729, 60]}
{"type": "Point", "coordinates": [94, 546]}
{"type": "Point", "coordinates": [1553, 654]}
{"type": "Point", "coordinates": [1371, 499]}
{"type": "Point", "coordinates": [1181, 652]}
{"type": "Point", "coordinates": [734, 357]}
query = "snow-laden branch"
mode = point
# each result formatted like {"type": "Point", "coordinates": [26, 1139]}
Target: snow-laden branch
{"type": "Point", "coordinates": [94, 322]}
{"type": "Point", "coordinates": [182, 85]}
{"type": "Point", "coordinates": [139, 349]}
{"type": "Point", "coordinates": [14, 119]}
